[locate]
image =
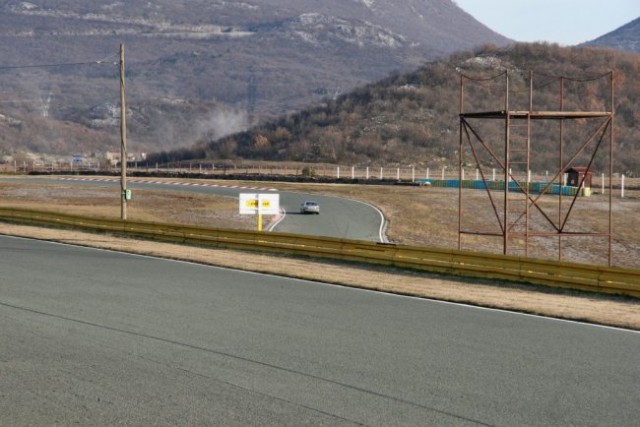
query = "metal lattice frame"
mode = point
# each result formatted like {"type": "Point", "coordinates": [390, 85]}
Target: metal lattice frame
{"type": "Point", "coordinates": [518, 200]}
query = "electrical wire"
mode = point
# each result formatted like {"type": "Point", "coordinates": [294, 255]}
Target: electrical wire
{"type": "Point", "coordinates": [66, 64]}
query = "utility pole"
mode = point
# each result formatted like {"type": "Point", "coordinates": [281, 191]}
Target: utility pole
{"type": "Point", "coordinates": [123, 141]}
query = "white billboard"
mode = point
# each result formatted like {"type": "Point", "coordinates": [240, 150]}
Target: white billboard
{"type": "Point", "coordinates": [267, 204]}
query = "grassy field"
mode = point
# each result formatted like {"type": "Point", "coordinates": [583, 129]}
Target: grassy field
{"type": "Point", "coordinates": [422, 216]}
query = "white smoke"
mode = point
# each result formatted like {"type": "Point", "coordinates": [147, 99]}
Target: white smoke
{"type": "Point", "coordinates": [222, 123]}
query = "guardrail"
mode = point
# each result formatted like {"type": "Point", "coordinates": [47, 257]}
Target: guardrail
{"type": "Point", "coordinates": [612, 280]}
{"type": "Point", "coordinates": [535, 187]}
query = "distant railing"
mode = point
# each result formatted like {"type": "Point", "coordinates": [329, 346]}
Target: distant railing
{"type": "Point", "coordinates": [611, 280]}
{"type": "Point", "coordinates": [534, 187]}
{"type": "Point", "coordinates": [403, 173]}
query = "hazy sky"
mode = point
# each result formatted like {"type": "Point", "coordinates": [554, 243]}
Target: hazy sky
{"type": "Point", "coordinates": [566, 22]}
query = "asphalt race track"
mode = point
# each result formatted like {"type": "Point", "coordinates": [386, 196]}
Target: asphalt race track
{"type": "Point", "coordinates": [339, 217]}
{"type": "Point", "coordinates": [91, 337]}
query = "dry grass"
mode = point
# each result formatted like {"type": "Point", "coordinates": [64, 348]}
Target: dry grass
{"type": "Point", "coordinates": [424, 216]}
{"type": "Point", "coordinates": [148, 205]}
{"type": "Point", "coordinates": [417, 215]}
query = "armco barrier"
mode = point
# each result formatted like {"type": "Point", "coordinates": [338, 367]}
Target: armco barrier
{"type": "Point", "coordinates": [611, 280]}
{"type": "Point", "coordinates": [534, 187]}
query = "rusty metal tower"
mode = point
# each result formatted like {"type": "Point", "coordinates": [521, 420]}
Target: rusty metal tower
{"type": "Point", "coordinates": [515, 197]}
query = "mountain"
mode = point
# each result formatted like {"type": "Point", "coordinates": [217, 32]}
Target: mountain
{"type": "Point", "coordinates": [413, 118]}
{"type": "Point", "coordinates": [196, 67]}
{"type": "Point", "coordinates": [625, 38]}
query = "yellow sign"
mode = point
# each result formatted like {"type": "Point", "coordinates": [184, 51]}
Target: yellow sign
{"type": "Point", "coordinates": [269, 204]}
{"type": "Point", "coordinates": [254, 204]}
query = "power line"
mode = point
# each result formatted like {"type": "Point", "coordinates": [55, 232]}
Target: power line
{"type": "Point", "coordinates": [16, 67]}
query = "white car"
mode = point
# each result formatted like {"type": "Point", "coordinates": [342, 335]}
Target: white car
{"type": "Point", "coordinates": [310, 206]}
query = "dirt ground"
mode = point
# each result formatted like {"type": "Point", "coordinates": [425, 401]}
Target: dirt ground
{"type": "Point", "coordinates": [207, 210]}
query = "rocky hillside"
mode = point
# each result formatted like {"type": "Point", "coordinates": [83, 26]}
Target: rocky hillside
{"type": "Point", "coordinates": [412, 118]}
{"type": "Point", "coordinates": [201, 67]}
{"type": "Point", "coordinates": [625, 38]}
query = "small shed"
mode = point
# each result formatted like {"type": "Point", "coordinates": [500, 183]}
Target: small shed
{"type": "Point", "coordinates": [576, 174]}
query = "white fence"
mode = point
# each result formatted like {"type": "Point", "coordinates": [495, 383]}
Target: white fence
{"type": "Point", "coordinates": [397, 173]}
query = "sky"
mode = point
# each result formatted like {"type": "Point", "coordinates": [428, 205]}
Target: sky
{"type": "Point", "coordinates": [566, 22]}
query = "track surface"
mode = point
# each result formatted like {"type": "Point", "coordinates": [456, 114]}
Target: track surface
{"type": "Point", "coordinates": [91, 337]}
{"type": "Point", "coordinates": [339, 217]}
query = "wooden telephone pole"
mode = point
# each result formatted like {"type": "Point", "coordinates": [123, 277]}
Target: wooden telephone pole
{"type": "Point", "coordinates": [123, 141]}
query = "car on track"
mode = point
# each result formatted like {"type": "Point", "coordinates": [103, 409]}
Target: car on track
{"type": "Point", "coordinates": [310, 206]}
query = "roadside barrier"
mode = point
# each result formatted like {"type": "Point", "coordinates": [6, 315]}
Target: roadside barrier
{"type": "Point", "coordinates": [534, 187]}
{"type": "Point", "coordinates": [586, 277]}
